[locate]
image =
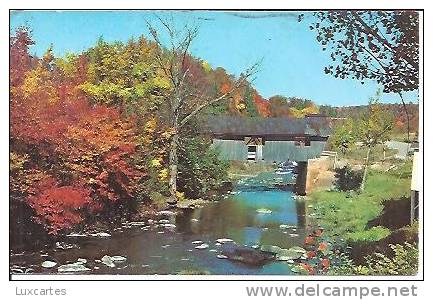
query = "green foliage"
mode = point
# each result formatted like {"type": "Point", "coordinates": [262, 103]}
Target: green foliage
{"type": "Point", "coordinates": [403, 262]}
{"type": "Point", "coordinates": [343, 137]}
{"type": "Point", "coordinates": [375, 125]}
{"type": "Point", "coordinates": [343, 214]}
{"type": "Point", "coordinates": [347, 179]}
{"type": "Point", "coordinates": [201, 171]}
{"type": "Point", "coordinates": [373, 234]}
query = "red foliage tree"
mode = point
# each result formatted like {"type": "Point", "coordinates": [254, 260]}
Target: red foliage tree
{"type": "Point", "coordinates": [57, 207]}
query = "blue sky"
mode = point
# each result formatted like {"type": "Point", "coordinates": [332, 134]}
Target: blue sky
{"type": "Point", "coordinates": [292, 63]}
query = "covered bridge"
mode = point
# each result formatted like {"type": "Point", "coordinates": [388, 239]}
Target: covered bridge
{"type": "Point", "coordinates": [270, 139]}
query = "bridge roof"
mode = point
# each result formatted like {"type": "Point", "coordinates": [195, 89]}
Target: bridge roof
{"type": "Point", "coordinates": [244, 126]}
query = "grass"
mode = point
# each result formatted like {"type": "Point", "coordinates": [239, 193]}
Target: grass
{"type": "Point", "coordinates": [359, 154]}
{"type": "Point", "coordinates": [346, 214]}
{"type": "Point", "coordinates": [370, 235]}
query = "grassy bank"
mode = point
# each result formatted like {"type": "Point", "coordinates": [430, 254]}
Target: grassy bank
{"type": "Point", "coordinates": [346, 214]}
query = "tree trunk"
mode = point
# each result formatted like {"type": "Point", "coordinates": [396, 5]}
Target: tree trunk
{"type": "Point", "coordinates": [407, 117]}
{"type": "Point", "coordinates": [173, 168]}
{"type": "Point", "coordinates": [364, 176]}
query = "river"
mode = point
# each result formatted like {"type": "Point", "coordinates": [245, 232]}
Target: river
{"type": "Point", "coordinates": [255, 213]}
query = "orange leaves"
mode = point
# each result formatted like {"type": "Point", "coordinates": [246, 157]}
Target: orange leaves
{"type": "Point", "coordinates": [225, 88]}
{"type": "Point", "coordinates": [262, 105]}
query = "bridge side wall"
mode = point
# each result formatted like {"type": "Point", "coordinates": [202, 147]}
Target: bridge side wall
{"type": "Point", "coordinates": [288, 150]}
{"type": "Point", "coordinates": [231, 149]}
{"type": "Point", "coordinates": [277, 151]}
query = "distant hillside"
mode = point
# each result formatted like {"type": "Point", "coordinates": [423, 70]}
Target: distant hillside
{"type": "Point", "coordinates": [396, 109]}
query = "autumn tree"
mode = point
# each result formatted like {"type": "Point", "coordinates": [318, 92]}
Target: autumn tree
{"type": "Point", "coordinates": [372, 129]}
{"type": "Point", "coordinates": [372, 45]}
{"type": "Point", "coordinates": [70, 158]}
{"type": "Point", "coordinates": [186, 98]}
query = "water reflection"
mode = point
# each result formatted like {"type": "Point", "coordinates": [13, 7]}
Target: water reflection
{"type": "Point", "coordinates": [255, 214]}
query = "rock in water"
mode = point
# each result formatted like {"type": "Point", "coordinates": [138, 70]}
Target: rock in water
{"type": "Point", "coordinates": [298, 249]}
{"type": "Point", "coordinates": [101, 234]}
{"type": "Point", "coordinates": [264, 211]}
{"type": "Point", "coordinates": [224, 240]}
{"type": "Point", "coordinates": [246, 255]}
{"type": "Point", "coordinates": [169, 226]}
{"type": "Point", "coordinates": [106, 260]}
{"type": "Point", "coordinates": [82, 260]}
{"type": "Point", "coordinates": [48, 264]}
{"type": "Point", "coordinates": [118, 258]}
{"type": "Point", "coordinates": [287, 254]}
{"type": "Point", "coordinates": [73, 234]}
{"type": "Point", "coordinates": [270, 249]}
{"type": "Point", "coordinates": [75, 267]}
{"type": "Point", "coordinates": [202, 246]}
{"type": "Point", "coordinates": [166, 213]}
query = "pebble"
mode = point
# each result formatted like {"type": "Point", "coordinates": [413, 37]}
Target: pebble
{"type": "Point", "coordinates": [202, 246]}
{"type": "Point", "coordinates": [48, 264]}
{"type": "Point", "coordinates": [224, 240]}
{"type": "Point", "coordinates": [101, 234]}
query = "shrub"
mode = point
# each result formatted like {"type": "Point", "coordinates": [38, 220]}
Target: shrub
{"type": "Point", "coordinates": [404, 261]}
{"type": "Point", "coordinates": [57, 207]}
{"type": "Point", "coordinates": [200, 169]}
{"type": "Point", "coordinates": [347, 179]}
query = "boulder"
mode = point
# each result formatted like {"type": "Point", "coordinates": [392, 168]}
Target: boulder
{"type": "Point", "coordinates": [246, 255]}
{"type": "Point", "coordinates": [82, 260]}
{"type": "Point", "coordinates": [287, 254]}
{"type": "Point", "coordinates": [74, 267]}
{"type": "Point", "coordinates": [202, 246]}
{"type": "Point", "coordinates": [298, 249]}
{"type": "Point", "coordinates": [106, 260]}
{"type": "Point", "coordinates": [270, 248]}
{"type": "Point", "coordinates": [101, 234]}
{"type": "Point", "coordinates": [118, 258]}
{"type": "Point", "coordinates": [283, 254]}
{"type": "Point", "coordinates": [48, 264]}
{"type": "Point", "coordinates": [224, 240]}
{"type": "Point", "coordinates": [166, 213]}
{"type": "Point", "coordinates": [171, 226]}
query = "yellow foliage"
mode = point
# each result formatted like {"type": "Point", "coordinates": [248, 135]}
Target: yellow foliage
{"type": "Point", "coordinates": [156, 162]}
{"type": "Point", "coordinates": [240, 106]}
{"type": "Point", "coordinates": [206, 66]}
{"type": "Point", "coordinates": [151, 125]}
{"type": "Point", "coordinates": [163, 174]}
{"type": "Point", "coordinates": [36, 82]}
{"type": "Point", "coordinates": [17, 161]}
{"type": "Point", "coordinates": [180, 196]}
